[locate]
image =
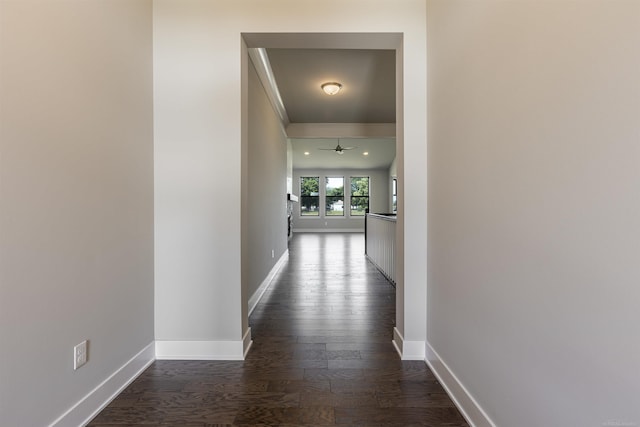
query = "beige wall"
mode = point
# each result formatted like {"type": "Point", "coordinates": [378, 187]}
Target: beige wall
{"type": "Point", "coordinates": [534, 206]}
{"type": "Point", "coordinates": [76, 190]}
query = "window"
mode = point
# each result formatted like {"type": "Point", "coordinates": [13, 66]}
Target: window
{"type": "Point", "coordinates": [309, 195]}
{"type": "Point", "coordinates": [394, 195]}
{"type": "Point", "coordinates": [334, 196]}
{"type": "Point", "coordinates": [359, 195]}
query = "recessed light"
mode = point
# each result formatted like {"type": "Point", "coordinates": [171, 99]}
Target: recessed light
{"type": "Point", "coordinates": [306, 153]}
{"type": "Point", "coordinates": [366, 153]}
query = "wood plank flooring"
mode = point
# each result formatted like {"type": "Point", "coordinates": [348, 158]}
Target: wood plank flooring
{"type": "Point", "coordinates": [322, 356]}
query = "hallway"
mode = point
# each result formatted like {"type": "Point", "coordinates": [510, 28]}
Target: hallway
{"type": "Point", "coordinates": [322, 355]}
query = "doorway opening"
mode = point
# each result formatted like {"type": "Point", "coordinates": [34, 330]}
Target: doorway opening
{"type": "Point", "coordinates": [258, 237]}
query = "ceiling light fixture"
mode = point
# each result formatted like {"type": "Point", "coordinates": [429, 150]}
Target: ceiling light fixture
{"type": "Point", "coordinates": [331, 88]}
{"type": "Point", "coordinates": [339, 149]}
{"type": "Point", "coordinates": [306, 153]}
{"type": "Point", "coordinates": [366, 153]}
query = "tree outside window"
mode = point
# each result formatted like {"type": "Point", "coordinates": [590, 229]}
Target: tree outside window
{"type": "Point", "coordinates": [309, 196]}
{"type": "Point", "coordinates": [359, 195]}
{"type": "Point", "coordinates": [334, 196]}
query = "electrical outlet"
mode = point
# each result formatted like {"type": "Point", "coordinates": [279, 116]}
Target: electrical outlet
{"type": "Point", "coordinates": [79, 355]}
{"type": "Point", "coordinates": [273, 253]}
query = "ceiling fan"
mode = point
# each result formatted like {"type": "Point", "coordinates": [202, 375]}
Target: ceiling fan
{"type": "Point", "coordinates": [339, 149]}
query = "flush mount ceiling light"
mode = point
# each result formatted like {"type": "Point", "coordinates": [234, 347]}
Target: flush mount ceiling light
{"type": "Point", "coordinates": [331, 88]}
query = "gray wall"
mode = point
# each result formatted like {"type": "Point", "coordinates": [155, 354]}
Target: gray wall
{"type": "Point", "coordinates": [198, 175]}
{"type": "Point", "coordinates": [378, 202]}
{"type": "Point", "coordinates": [266, 192]}
{"type": "Point", "coordinates": [533, 199]}
{"type": "Point", "coordinates": [534, 207]}
{"type": "Point", "coordinates": [76, 188]}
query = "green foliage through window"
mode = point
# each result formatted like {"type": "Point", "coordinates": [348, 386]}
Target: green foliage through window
{"type": "Point", "coordinates": [310, 196]}
{"type": "Point", "coordinates": [359, 195]}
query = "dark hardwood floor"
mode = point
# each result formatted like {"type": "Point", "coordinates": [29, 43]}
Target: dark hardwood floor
{"type": "Point", "coordinates": [322, 355]}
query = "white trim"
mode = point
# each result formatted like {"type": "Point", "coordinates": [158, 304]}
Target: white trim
{"type": "Point", "coordinates": [408, 350]}
{"type": "Point", "coordinates": [97, 399]}
{"type": "Point", "coordinates": [413, 350]}
{"type": "Point", "coordinates": [257, 295]}
{"type": "Point", "coordinates": [328, 230]}
{"type": "Point", "coordinates": [468, 406]}
{"type": "Point", "coordinates": [199, 350]}
{"type": "Point", "coordinates": [247, 342]}
{"type": "Point", "coordinates": [262, 66]}
{"type": "Point", "coordinates": [397, 341]}
{"type": "Point", "coordinates": [341, 130]}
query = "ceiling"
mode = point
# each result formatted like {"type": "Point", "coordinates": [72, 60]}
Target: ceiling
{"type": "Point", "coordinates": [381, 152]}
{"type": "Point", "coordinates": [367, 96]}
{"type": "Point", "coordinates": [368, 79]}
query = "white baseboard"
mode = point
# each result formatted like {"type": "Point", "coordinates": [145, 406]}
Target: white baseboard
{"type": "Point", "coordinates": [257, 295]}
{"type": "Point", "coordinates": [328, 230]}
{"type": "Point", "coordinates": [408, 350]}
{"type": "Point", "coordinates": [397, 341]}
{"type": "Point", "coordinates": [470, 409]}
{"type": "Point", "coordinates": [246, 342]}
{"type": "Point", "coordinates": [200, 350]}
{"type": "Point", "coordinates": [413, 350]}
{"type": "Point", "coordinates": [98, 398]}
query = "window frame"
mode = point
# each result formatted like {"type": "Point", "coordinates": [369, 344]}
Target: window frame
{"type": "Point", "coordinates": [307, 197]}
{"type": "Point", "coordinates": [394, 195]}
{"type": "Point", "coordinates": [326, 197]}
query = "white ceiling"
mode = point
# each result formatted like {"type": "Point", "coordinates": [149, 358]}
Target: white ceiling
{"type": "Point", "coordinates": [381, 151]}
{"type": "Point", "coordinates": [367, 96]}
